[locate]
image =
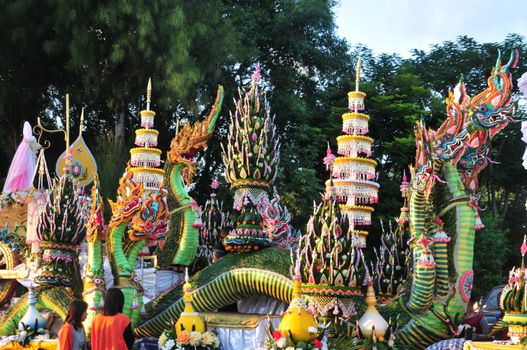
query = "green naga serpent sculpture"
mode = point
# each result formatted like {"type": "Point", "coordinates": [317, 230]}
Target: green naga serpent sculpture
{"type": "Point", "coordinates": [144, 214]}
{"type": "Point", "coordinates": [236, 276]}
{"type": "Point", "coordinates": [94, 282]}
{"type": "Point", "coordinates": [457, 151]}
{"type": "Point", "coordinates": [138, 218]}
{"type": "Point", "coordinates": [180, 168]}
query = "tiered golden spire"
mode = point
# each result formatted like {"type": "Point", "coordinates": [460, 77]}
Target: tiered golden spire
{"type": "Point", "coordinates": [146, 158]}
{"type": "Point", "coordinates": [353, 172]}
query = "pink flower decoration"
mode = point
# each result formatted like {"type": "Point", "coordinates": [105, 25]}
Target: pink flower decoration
{"type": "Point", "coordinates": [423, 242]}
{"type": "Point", "coordinates": [277, 335]}
{"type": "Point", "coordinates": [215, 184]}
{"type": "Point", "coordinates": [256, 77]}
{"type": "Point", "coordinates": [524, 247]}
{"type": "Point", "coordinates": [329, 158]}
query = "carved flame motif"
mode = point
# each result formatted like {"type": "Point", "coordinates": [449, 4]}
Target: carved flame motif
{"type": "Point", "coordinates": [192, 138]}
{"type": "Point", "coordinates": [129, 196]}
{"type": "Point", "coordinates": [451, 136]}
{"type": "Point", "coordinates": [424, 170]}
{"type": "Point", "coordinates": [276, 220]}
{"type": "Point", "coordinates": [152, 221]}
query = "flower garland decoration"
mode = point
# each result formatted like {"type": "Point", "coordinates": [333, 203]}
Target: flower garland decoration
{"type": "Point", "coordinates": [187, 340]}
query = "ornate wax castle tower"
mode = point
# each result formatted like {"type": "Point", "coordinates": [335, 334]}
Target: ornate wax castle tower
{"type": "Point", "coordinates": [146, 159]}
{"type": "Point", "coordinates": [251, 160]}
{"type": "Point", "coordinates": [333, 267]}
{"type": "Point", "coordinates": [353, 172]}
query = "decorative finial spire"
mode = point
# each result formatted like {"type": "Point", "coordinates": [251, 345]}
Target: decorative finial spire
{"type": "Point", "coordinates": [67, 122]}
{"type": "Point", "coordinates": [187, 287]}
{"type": "Point", "coordinates": [31, 299]}
{"type": "Point", "coordinates": [297, 267]}
{"type": "Point", "coordinates": [404, 186]}
{"type": "Point", "coordinates": [256, 77]}
{"type": "Point", "coordinates": [356, 98]}
{"type": "Point", "coordinates": [357, 74]}
{"type": "Point", "coordinates": [523, 250]}
{"type": "Point", "coordinates": [81, 122]}
{"type": "Point", "coordinates": [148, 94]}
{"type": "Point", "coordinates": [329, 159]}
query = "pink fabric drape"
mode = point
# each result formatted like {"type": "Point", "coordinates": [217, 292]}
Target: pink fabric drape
{"type": "Point", "coordinates": [20, 175]}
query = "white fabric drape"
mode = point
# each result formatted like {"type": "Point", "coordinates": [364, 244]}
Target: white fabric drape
{"type": "Point", "coordinates": [245, 339]}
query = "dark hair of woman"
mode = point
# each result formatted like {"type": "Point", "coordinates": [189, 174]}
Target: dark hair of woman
{"type": "Point", "coordinates": [75, 312]}
{"type": "Point", "coordinates": [113, 302]}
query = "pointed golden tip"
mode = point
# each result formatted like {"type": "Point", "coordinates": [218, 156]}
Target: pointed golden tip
{"type": "Point", "coordinates": [149, 91]}
{"type": "Point", "coordinates": [81, 124]}
{"type": "Point", "coordinates": [357, 73]}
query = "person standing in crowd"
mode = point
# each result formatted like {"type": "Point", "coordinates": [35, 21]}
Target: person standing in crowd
{"type": "Point", "coordinates": [71, 335]}
{"type": "Point", "coordinates": [111, 329]}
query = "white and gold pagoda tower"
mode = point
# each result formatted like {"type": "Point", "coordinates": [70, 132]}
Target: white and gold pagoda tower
{"type": "Point", "coordinates": [353, 172]}
{"type": "Point", "coordinates": [145, 159]}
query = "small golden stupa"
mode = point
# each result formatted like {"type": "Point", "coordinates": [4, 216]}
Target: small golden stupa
{"type": "Point", "coordinates": [372, 319]}
{"type": "Point", "coordinates": [189, 319]}
{"type": "Point", "coordinates": [297, 321]}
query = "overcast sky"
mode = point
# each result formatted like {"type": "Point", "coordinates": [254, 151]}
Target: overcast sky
{"type": "Point", "coordinates": [396, 26]}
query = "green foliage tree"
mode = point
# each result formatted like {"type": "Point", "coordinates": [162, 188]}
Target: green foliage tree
{"type": "Point", "coordinates": [303, 62]}
{"type": "Point", "coordinates": [491, 251]}
{"type": "Point", "coordinates": [104, 52]}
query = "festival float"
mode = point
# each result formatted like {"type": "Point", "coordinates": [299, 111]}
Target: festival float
{"type": "Point", "coordinates": [319, 290]}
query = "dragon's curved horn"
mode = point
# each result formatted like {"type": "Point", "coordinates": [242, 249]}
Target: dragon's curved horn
{"type": "Point", "coordinates": [215, 111]}
{"type": "Point", "coordinates": [498, 63]}
{"type": "Point", "coordinates": [513, 60]}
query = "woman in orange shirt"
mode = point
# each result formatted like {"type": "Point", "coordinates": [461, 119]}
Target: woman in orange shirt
{"type": "Point", "coordinates": [111, 330]}
{"type": "Point", "coordinates": [71, 335]}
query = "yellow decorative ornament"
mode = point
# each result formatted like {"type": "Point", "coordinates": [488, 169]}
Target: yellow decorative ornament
{"type": "Point", "coordinates": [77, 160]}
{"type": "Point", "coordinates": [189, 319]}
{"type": "Point", "coordinates": [297, 321]}
{"type": "Point", "coordinates": [372, 321]}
